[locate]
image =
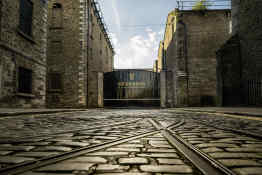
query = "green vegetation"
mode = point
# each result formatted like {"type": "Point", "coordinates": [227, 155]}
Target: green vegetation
{"type": "Point", "coordinates": [201, 5]}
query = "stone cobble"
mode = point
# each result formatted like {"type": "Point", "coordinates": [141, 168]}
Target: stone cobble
{"type": "Point", "coordinates": [137, 158]}
{"type": "Point", "coordinates": [235, 151]}
{"type": "Point", "coordinates": [152, 155]}
{"type": "Point", "coordinates": [21, 151]}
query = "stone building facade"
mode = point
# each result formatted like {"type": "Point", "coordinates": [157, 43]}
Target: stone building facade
{"type": "Point", "coordinates": [245, 58]}
{"type": "Point", "coordinates": [23, 32]}
{"type": "Point", "coordinates": [79, 52]}
{"type": "Point", "coordinates": [190, 43]}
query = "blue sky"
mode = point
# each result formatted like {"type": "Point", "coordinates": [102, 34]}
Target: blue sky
{"type": "Point", "coordinates": [136, 28]}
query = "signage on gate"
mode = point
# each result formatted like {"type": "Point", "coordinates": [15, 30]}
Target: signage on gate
{"type": "Point", "coordinates": [132, 84]}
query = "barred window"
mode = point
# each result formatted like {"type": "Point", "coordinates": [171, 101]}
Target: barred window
{"type": "Point", "coordinates": [26, 13]}
{"type": "Point", "coordinates": [24, 80]}
{"type": "Point", "coordinates": [55, 82]}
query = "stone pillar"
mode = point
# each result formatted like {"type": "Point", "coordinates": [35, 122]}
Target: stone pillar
{"type": "Point", "coordinates": [95, 90]}
{"type": "Point", "coordinates": [100, 84]}
{"type": "Point", "coordinates": [163, 88]}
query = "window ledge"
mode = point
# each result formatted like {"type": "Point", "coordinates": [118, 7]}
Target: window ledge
{"type": "Point", "coordinates": [25, 95]}
{"type": "Point", "coordinates": [27, 37]}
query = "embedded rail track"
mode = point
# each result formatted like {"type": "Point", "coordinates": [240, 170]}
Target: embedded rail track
{"type": "Point", "coordinates": [150, 147]}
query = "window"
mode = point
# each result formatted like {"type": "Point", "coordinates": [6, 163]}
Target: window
{"type": "Point", "coordinates": [24, 80]}
{"type": "Point", "coordinates": [55, 82]}
{"type": "Point", "coordinates": [57, 15]}
{"type": "Point", "coordinates": [26, 12]}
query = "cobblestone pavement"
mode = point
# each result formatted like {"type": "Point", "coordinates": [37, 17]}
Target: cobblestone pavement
{"type": "Point", "coordinates": [24, 139]}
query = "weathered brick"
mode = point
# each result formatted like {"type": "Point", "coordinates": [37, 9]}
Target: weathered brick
{"type": "Point", "coordinates": [16, 148]}
{"type": "Point", "coordinates": [14, 160]}
{"type": "Point", "coordinates": [166, 168]}
{"type": "Point", "coordinates": [36, 154]}
{"type": "Point", "coordinates": [222, 155]}
{"type": "Point", "coordinates": [53, 148]}
{"type": "Point", "coordinates": [133, 161]}
{"type": "Point", "coordinates": [159, 150]}
{"type": "Point", "coordinates": [89, 159]}
{"type": "Point", "coordinates": [112, 168]}
{"type": "Point", "coordinates": [170, 161]}
{"type": "Point", "coordinates": [248, 170]}
{"type": "Point", "coordinates": [238, 162]}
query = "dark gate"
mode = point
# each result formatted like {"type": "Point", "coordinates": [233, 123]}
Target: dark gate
{"type": "Point", "coordinates": [131, 88]}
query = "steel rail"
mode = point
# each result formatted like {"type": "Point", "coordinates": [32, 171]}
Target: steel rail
{"type": "Point", "coordinates": [21, 139]}
{"type": "Point", "coordinates": [28, 166]}
{"type": "Point", "coordinates": [200, 160]}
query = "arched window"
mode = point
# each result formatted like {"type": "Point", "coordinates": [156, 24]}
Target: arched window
{"type": "Point", "coordinates": [57, 15]}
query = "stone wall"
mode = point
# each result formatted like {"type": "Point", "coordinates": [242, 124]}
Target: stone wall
{"type": "Point", "coordinates": [79, 49]}
{"type": "Point", "coordinates": [100, 57]}
{"type": "Point", "coordinates": [18, 51]}
{"type": "Point", "coordinates": [191, 55]}
{"type": "Point", "coordinates": [64, 53]}
{"type": "Point", "coordinates": [243, 58]}
{"type": "Point", "coordinates": [247, 23]}
{"type": "Point", "coordinates": [206, 32]}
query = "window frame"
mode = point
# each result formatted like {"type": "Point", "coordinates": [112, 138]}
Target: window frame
{"type": "Point", "coordinates": [61, 16]}
{"type": "Point", "coordinates": [24, 20]}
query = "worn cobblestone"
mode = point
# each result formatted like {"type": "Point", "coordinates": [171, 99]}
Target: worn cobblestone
{"type": "Point", "coordinates": [166, 168]}
{"type": "Point", "coordinates": [240, 153]}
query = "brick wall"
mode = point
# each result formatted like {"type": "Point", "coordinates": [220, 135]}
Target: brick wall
{"type": "Point", "coordinates": [79, 49]}
{"type": "Point", "coordinates": [64, 52]}
{"type": "Point", "coordinates": [20, 50]}
{"type": "Point", "coordinates": [247, 24]}
{"type": "Point", "coordinates": [242, 53]}
{"type": "Point", "coordinates": [191, 55]}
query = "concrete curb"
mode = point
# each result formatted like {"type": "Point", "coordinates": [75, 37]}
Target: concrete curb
{"type": "Point", "coordinates": [7, 114]}
{"type": "Point", "coordinates": [224, 112]}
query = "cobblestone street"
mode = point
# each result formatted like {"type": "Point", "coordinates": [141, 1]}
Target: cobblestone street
{"type": "Point", "coordinates": [130, 142]}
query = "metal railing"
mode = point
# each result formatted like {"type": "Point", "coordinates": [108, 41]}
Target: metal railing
{"type": "Point", "coordinates": [253, 91]}
{"type": "Point", "coordinates": [209, 4]}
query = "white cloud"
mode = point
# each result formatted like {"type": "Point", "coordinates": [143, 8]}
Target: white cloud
{"type": "Point", "coordinates": [117, 17]}
{"type": "Point", "coordinates": [138, 52]}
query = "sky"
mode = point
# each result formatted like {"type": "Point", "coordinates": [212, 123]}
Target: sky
{"type": "Point", "coordinates": [136, 27]}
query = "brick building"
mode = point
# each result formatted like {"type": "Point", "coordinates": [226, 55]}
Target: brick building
{"type": "Point", "coordinates": [240, 63]}
{"type": "Point", "coordinates": [79, 52]}
{"type": "Point", "coordinates": [190, 43]}
{"type": "Point", "coordinates": [23, 53]}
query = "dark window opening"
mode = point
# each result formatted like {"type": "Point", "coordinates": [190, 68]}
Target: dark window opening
{"type": "Point", "coordinates": [26, 13]}
{"type": "Point", "coordinates": [57, 16]}
{"type": "Point", "coordinates": [57, 5]}
{"type": "Point", "coordinates": [55, 81]}
{"type": "Point", "coordinates": [25, 80]}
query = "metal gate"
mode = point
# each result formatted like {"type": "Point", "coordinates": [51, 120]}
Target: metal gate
{"type": "Point", "coordinates": [131, 88]}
